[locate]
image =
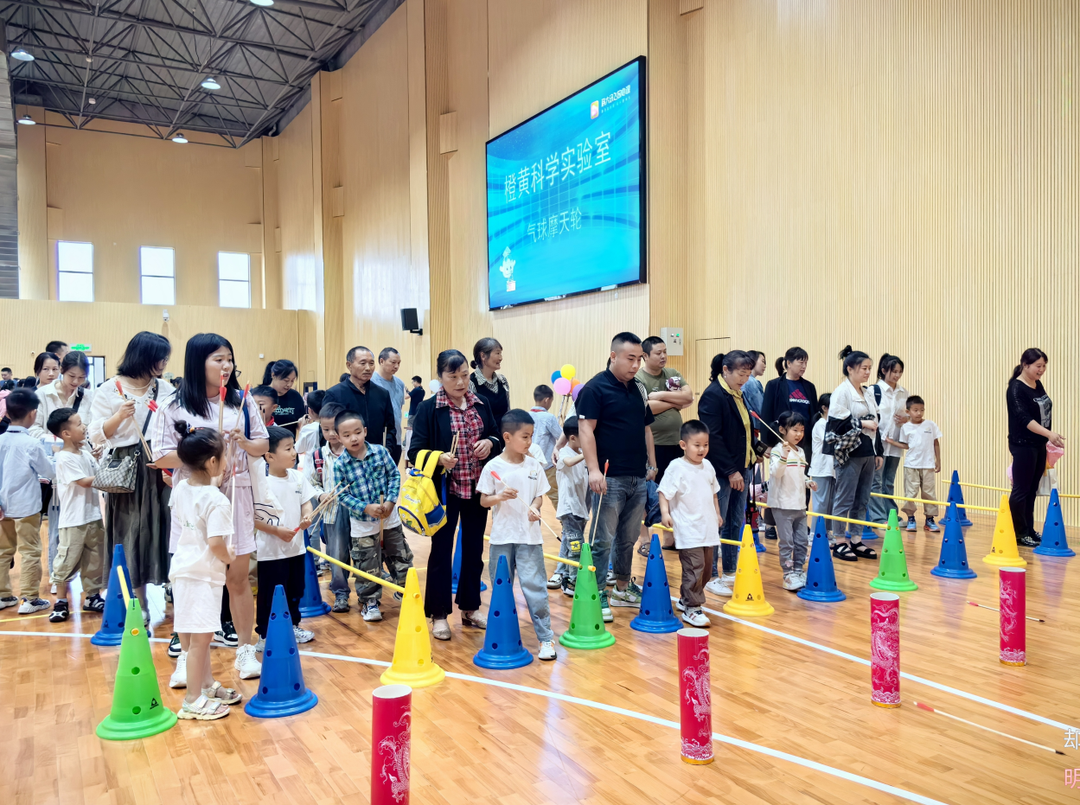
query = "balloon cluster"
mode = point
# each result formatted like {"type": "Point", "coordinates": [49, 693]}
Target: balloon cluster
{"type": "Point", "coordinates": [565, 383]}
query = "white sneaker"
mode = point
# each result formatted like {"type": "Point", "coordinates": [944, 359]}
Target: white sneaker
{"type": "Point", "coordinates": [555, 582]}
{"type": "Point", "coordinates": [610, 578]}
{"type": "Point", "coordinates": [246, 664]}
{"type": "Point", "coordinates": [605, 607]}
{"type": "Point", "coordinates": [260, 645]}
{"type": "Point", "coordinates": [53, 589]}
{"type": "Point", "coordinates": [722, 585]}
{"type": "Point", "coordinates": [370, 610]}
{"type": "Point", "coordinates": [679, 605]}
{"type": "Point", "coordinates": [547, 650]}
{"type": "Point", "coordinates": [29, 606]}
{"type": "Point", "coordinates": [802, 579]}
{"type": "Point", "coordinates": [791, 582]}
{"type": "Point", "coordinates": [179, 676]}
{"type": "Point", "coordinates": [302, 635]}
{"type": "Point", "coordinates": [695, 617]}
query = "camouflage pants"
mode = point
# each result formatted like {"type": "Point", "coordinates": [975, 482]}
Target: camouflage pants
{"type": "Point", "coordinates": [368, 555]}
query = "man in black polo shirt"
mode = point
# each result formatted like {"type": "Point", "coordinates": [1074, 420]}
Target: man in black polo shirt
{"type": "Point", "coordinates": [357, 393]}
{"type": "Point", "coordinates": [613, 422]}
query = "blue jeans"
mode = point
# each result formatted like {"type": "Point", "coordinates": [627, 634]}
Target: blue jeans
{"type": "Point", "coordinates": [573, 531]}
{"type": "Point", "coordinates": [338, 544]}
{"type": "Point", "coordinates": [618, 525]}
{"type": "Point", "coordinates": [884, 484]}
{"type": "Point", "coordinates": [652, 504]}
{"type": "Point", "coordinates": [733, 510]}
{"type": "Point", "coordinates": [528, 562]}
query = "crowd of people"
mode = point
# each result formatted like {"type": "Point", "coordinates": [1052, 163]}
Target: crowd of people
{"type": "Point", "coordinates": [211, 490]}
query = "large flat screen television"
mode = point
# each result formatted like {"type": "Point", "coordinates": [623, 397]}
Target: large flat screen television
{"type": "Point", "coordinates": [566, 195]}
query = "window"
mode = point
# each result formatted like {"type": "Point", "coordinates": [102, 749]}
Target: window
{"type": "Point", "coordinates": [97, 374]}
{"type": "Point", "coordinates": [234, 279]}
{"type": "Point", "coordinates": [158, 275]}
{"type": "Point", "coordinates": [75, 263]}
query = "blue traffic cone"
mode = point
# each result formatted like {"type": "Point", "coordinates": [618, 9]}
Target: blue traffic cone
{"type": "Point", "coordinates": [656, 616]}
{"type": "Point", "coordinates": [868, 533]}
{"type": "Point", "coordinates": [953, 561]}
{"type": "Point", "coordinates": [820, 576]}
{"type": "Point", "coordinates": [312, 604]}
{"type": "Point", "coordinates": [502, 640]}
{"type": "Point", "coordinates": [1053, 536]}
{"type": "Point", "coordinates": [112, 621]}
{"type": "Point", "coordinates": [956, 495]}
{"type": "Point", "coordinates": [457, 566]}
{"type": "Point", "coordinates": [281, 686]}
{"type": "Point", "coordinates": [758, 545]}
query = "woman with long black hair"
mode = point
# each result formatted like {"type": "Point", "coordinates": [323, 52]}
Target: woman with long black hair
{"type": "Point", "coordinates": [1030, 421]}
{"type": "Point", "coordinates": [281, 376]}
{"type": "Point", "coordinates": [138, 520]}
{"type": "Point", "coordinates": [208, 363]}
{"type": "Point", "coordinates": [891, 399]}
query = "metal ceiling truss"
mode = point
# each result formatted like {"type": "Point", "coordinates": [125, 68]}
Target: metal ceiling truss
{"type": "Point", "coordinates": [143, 61]}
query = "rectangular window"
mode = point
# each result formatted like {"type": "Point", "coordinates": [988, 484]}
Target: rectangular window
{"type": "Point", "coordinates": [75, 264]}
{"type": "Point", "coordinates": [158, 269]}
{"type": "Point", "coordinates": [234, 279]}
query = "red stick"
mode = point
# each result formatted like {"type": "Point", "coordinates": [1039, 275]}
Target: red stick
{"type": "Point", "coordinates": [995, 609]}
{"type": "Point", "coordinates": [930, 709]}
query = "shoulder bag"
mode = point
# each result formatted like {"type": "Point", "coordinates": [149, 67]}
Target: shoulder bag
{"type": "Point", "coordinates": [118, 476]}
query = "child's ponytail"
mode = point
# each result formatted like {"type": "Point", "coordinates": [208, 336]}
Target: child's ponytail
{"type": "Point", "coordinates": [198, 445]}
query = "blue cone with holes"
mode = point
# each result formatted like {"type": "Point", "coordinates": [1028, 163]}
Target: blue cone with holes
{"type": "Point", "coordinates": [953, 561]}
{"type": "Point", "coordinates": [820, 575]}
{"type": "Point", "coordinates": [656, 615]}
{"type": "Point", "coordinates": [312, 604]}
{"type": "Point", "coordinates": [502, 639]}
{"type": "Point", "coordinates": [1054, 542]}
{"type": "Point", "coordinates": [457, 566]}
{"type": "Point", "coordinates": [281, 687]}
{"type": "Point", "coordinates": [112, 620]}
{"type": "Point", "coordinates": [758, 545]}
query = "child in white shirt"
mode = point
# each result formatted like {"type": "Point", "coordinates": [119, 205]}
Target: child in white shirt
{"type": "Point", "coordinates": [787, 498]}
{"type": "Point", "coordinates": [204, 548]}
{"type": "Point", "coordinates": [514, 483]}
{"type": "Point", "coordinates": [822, 472]}
{"type": "Point", "coordinates": [281, 551]}
{"type": "Point", "coordinates": [921, 438]}
{"type": "Point", "coordinates": [689, 505]}
{"type": "Point", "coordinates": [82, 536]}
{"type": "Point", "coordinates": [572, 477]}
{"type": "Point", "coordinates": [319, 468]}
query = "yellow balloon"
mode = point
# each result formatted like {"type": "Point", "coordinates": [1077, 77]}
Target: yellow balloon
{"type": "Point", "coordinates": [568, 371]}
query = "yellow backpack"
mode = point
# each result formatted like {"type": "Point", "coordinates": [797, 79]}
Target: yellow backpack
{"type": "Point", "coordinates": [420, 506]}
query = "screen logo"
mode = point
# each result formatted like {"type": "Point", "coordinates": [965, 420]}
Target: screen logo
{"type": "Point", "coordinates": [594, 110]}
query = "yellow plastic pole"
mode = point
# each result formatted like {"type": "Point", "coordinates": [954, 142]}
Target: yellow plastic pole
{"type": "Point", "coordinates": [361, 573]}
{"type": "Point", "coordinates": [570, 562]}
{"type": "Point", "coordinates": [982, 486]}
{"type": "Point", "coordinates": [124, 589]}
{"type": "Point", "coordinates": [834, 517]}
{"type": "Point", "coordinates": [944, 503]}
{"type": "Point", "coordinates": [663, 527]}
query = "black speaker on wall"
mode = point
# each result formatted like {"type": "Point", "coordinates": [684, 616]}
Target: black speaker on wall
{"type": "Point", "coordinates": [410, 322]}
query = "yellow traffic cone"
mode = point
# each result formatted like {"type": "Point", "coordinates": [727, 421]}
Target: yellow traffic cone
{"type": "Point", "coordinates": [1003, 553]}
{"type": "Point", "coordinates": [749, 599]}
{"type": "Point", "coordinates": [412, 663]}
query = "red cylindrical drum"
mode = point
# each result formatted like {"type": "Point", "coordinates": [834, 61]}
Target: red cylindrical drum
{"type": "Point", "coordinates": [391, 720]}
{"type": "Point", "coordinates": [695, 696]}
{"type": "Point", "coordinates": [885, 649]}
{"type": "Point", "coordinates": [1013, 615]}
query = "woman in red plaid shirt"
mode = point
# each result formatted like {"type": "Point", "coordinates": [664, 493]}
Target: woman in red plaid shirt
{"type": "Point", "coordinates": [455, 411]}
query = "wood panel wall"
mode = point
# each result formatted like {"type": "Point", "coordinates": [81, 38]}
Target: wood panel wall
{"type": "Point", "coordinates": [33, 208]}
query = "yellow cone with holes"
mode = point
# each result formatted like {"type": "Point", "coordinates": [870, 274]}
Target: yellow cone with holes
{"type": "Point", "coordinates": [1003, 553]}
{"type": "Point", "coordinates": [748, 599]}
{"type": "Point", "coordinates": [412, 663]}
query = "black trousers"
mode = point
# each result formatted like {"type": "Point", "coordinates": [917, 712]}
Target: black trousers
{"type": "Point", "coordinates": [1029, 463]}
{"type": "Point", "coordinates": [437, 598]}
{"type": "Point", "coordinates": [289, 573]}
{"type": "Point", "coordinates": [665, 454]}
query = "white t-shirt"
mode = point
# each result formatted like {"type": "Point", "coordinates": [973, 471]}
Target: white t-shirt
{"type": "Point", "coordinates": [510, 519]}
{"type": "Point", "coordinates": [821, 465]}
{"type": "Point", "coordinates": [920, 441]}
{"type": "Point", "coordinates": [78, 505]}
{"type": "Point", "coordinates": [201, 512]}
{"type": "Point", "coordinates": [691, 493]}
{"type": "Point", "coordinates": [308, 439]}
{"type": "Point", "coordinates": [292, 492]}
{"type": "Point", "coordinates": [573, 485]}
{"type": "Point", "coordinates": [365, 528]}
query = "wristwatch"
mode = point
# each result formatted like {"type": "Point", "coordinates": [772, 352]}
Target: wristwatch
{"type": "Point", "coordinates": [649, 469]}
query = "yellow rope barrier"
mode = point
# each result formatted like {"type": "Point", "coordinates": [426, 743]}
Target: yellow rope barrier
{"type": "Point", "coordinates": [833, 517]}
{"type": "Point", "coordinates": [570, 562]}
{"type": "Point", "coordinates": [944, 503]}
{"type": "Point", "coordinates": [356, 572]}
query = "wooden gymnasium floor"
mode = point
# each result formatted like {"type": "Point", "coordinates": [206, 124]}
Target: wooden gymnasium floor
{"type": "Point", "coordinates": [789, 691]}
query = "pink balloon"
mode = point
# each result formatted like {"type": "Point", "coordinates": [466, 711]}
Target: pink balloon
{"type": "Point", "coordinates": [577, 390]}
{"type": "Point", "coordinates": [562, 386]}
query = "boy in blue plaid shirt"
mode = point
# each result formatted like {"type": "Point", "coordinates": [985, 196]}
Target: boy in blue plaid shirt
{"type": "Point", "coordinates": [371, 483]}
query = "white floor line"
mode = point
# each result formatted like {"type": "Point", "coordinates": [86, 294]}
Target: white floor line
{"type": "Point", "coordinates": [929, 683]}
{"type": "Point", "coordinates": [663, 722]}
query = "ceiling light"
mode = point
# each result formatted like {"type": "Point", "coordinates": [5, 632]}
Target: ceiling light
{"type": "Point", "coordinates": [263, 2]}
{"type": "Point", "coordinates": [22, 54]}
{"type": "Point", "coordinates": [91, 101]}
{"type": "Point", "coordinates": [26, 120]}
{"type": "Point", "coordinates": [179, 137]}
{"type": "Point", "coordinates": [210, 83]}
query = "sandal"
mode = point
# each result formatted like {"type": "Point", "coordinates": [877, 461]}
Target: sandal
{"type": "Point", "coordinates": [476, 618]}
{"type": "Point", "coordinates": [843, 551]}
{"type": "Point", "coordinates": [440, 629]}
{"type": "Point", "coordinates": [202, 709]}
{"type": "Point", "coordinates": [223, 695]}
{"type": "Point", "coordinates": [865, 551]}
{"type": "Point", "coordinates": [643, 551]}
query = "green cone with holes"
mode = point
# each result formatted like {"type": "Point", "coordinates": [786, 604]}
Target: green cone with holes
{"type": "Point", "coordinates": [137, 709]}
{"type": "Point", "coordinates": [892, 569]}
{"type": "Point", "coordinates": [586, 620]}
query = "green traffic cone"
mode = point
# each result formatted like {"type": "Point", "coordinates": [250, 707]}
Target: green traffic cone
{"type": "Point", "coordinates": [586, 620]}
{"type": "Point", "coordinates": [137, 711]}
{"type": "Point", "coordinates": [892, 572]}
